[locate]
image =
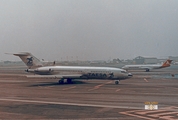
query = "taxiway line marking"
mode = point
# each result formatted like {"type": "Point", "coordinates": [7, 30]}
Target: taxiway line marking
{"type": "Point", "coordinates": [145, 80]}
{"type": "Point", "coordinates": [118, 90]}
{"type": "Point", "coordinates": [161, 114]}
{"type": "Point", "coordinates": [98, 86]}
{"type": "Point", "coordinates": [63, 103]}
{"type": "Point", "coordinates": [164, 113]}
{"type": "Point", "coordinates": [69, 88]}
{"type": "Point", "coordinates": [102, 84]}
{"type": "Point", "coordinates": [167, 118]}
{"type": "Point", "coordinates": [149, 112]}
{"type": "Point", "coordinates": [125, 113]}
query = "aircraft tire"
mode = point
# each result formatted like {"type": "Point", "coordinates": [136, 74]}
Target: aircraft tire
{"type": "Point", "coordinates": [69, 81]}
{"type": "Point", "coordinates": [61, 81]}
{"type": "Point", "coordinates": [117, 82]}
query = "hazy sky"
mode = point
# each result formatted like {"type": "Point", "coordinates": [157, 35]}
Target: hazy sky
{"type": "Point", "coordinates": [89, 29]}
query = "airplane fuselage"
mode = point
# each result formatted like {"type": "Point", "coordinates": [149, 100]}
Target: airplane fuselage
{"type": "Point", "coordinates": [142, 66]}
{"type": "Point", "coordinates": [78, 72]}
{"type": "Point", "coordinates": [148, 67]}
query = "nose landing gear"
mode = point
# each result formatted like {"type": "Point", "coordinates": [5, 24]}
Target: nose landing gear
{"type": "Point", "coordinates": [117, 82]}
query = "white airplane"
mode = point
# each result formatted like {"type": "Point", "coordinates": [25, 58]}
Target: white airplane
{"type": "Point", "coordinates": [148, 67]}
{"type": "Point", "coordinates": [71, 72]}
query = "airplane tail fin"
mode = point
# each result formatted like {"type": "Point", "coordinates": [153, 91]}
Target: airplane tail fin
{"type": "Point", "coordinates": [30, 60]}
{"type": "Point", "coordinates": [166, 63]}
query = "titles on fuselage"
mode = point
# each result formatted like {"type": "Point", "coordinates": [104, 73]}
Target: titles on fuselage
{"type": "Point", "coordinates": [96, 75]}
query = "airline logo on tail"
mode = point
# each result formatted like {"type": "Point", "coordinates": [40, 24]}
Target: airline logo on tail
{"type": "Point", "coordinates": [166, 64]}
{"type": "Point", "coordinates": [30, 61]}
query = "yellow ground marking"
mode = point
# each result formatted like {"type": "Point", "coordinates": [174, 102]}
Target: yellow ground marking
{"type": "Point", "coordinates": [69, 88]}
{"type": "Point", "coordinates": [145, 79]}
{"type": "Point", "coordinates": [167, 113]}
{"type": "Point", "coordinates": [98, 86]}
{"type": "Point", "coordinates": [118, 90]}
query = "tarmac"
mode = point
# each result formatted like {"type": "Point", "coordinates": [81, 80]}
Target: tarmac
{"type": "Point", "coordinates": [29, 98]}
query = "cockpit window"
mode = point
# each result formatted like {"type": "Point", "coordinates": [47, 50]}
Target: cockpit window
{"type": "Point", "coordinates": [123, 72]}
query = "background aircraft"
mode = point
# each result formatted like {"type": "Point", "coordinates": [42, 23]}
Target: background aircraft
{"type": "Point", "coordinates": [71, 72]}
{"type": "Point", "coordinates": [148, 67]}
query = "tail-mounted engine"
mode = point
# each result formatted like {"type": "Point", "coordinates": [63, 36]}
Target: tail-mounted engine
{"type": "Point", "coordinates": [38, 71]}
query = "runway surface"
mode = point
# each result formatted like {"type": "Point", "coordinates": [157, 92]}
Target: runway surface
{"type": "Point", "coordinates": [29, 98]}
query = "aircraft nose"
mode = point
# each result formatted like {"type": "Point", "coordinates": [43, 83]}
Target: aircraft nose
{"type": "Point", "coordinates": [130, 74]}
{"type": "Point", "coordinates": [123, 67]}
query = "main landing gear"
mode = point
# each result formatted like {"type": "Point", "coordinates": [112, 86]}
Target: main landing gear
{"type": "Point", "coordinates": [69, 81]}
{"type": "Point", "coordinates": [61, 81]}
{"type": "Point", "coordinates": [117, 82]}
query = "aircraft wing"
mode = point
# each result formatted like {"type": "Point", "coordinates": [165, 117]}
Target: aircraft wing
{"type": "Point", "coordinates": [55, 76]}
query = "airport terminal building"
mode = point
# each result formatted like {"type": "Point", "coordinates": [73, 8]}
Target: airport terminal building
{"type": "Point", "coordinates": [174, 58]}
{"type": "Point", "coordinates": [145, 60]}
